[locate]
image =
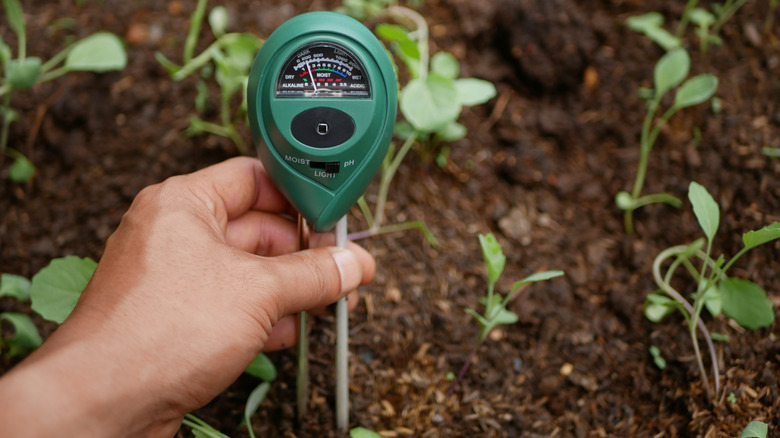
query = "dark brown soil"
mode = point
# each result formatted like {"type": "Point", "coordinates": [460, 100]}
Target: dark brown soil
{"type": "Point", "coordinates": [540, 168]}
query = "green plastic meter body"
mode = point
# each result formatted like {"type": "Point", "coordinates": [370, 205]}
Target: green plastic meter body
{"type": "Point", "coordinates": [322, 98]}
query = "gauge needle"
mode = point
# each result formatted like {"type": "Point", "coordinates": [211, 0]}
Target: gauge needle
{"type": "Point", "coordinates": [313, 82]}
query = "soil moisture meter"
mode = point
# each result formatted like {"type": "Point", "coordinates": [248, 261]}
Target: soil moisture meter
{"type": "Point", "coordinates": [322, 100]}
{"type": "Point", "coordinates": [322, 96]}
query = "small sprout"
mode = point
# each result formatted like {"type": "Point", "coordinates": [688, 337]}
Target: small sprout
{"type": "Point", "coordinates": [739, 299]}
{"type": "Point", "coordinates": [651, 25]}
{"type": "Point", "coordinates": [253, 403]}
{"type": "Point", "coordinates": [669, 73]}
{"type": "Point", "coordinates": [230, 57]}
{"type": "Point", "coordinates": [431, 103]}
{"type": "Point", "coordinates": [100, 52]}
{"type": "Point", "coordinates": [495, 304]}
{"type": "Point", "coordinates": [658, 359]}
{"type": "Point", "coordinates": [732, 398]}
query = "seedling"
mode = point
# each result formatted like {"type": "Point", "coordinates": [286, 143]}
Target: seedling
{"type": "Point", "coordinates": [739, 299]}
{"type": "Point", "coordinates": [669, 73]}
{"type": "Point", "coordinates": [651, 25]}
{"type": "Point", "coordinates": [100, 52]}
{"type": "Point", "coordinates": [431, 103]}
{"type": "Point", "coordinates": [496, 311]}
{"type": "Point", "coordinates": [708, 24]}
{"type": "Point", "coordinates": [228, 59]}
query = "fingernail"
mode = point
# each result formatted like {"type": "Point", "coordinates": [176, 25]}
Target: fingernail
{"type": "Point", "coordinates": [349, 268]}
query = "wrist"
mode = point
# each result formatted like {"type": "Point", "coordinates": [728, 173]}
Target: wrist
{"type": "Point", "coordinates": [67, 389]}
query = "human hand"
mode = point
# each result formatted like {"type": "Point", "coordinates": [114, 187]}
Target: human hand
{"type": "Point", "coordinates": [180, 304]}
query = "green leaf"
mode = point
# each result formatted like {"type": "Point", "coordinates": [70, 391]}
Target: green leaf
{"type": "Point", "coordinates": [201, 429]}
{"type": "Point", "coordinates": [234, 64]}
{"type": "Point", "coordinates": [26, 337]}
{"type": "Point", "coordinates": [392, 32]}
{"type": "Point", "coordinates": [252, 403]}
{"type": "Point", "coordinates": [771, 152]}
{"type": "Point", "coordinates": [480, 319]}
{"type": "Point", "coordinates": [452, 132]}
{"type": "Point", "coordinates": [746, 303]}
{"type": "Point", "coordinates": [23, 73]}
{"type": "Point", "coordinates": [658, 359]}
{"type": "Point", "coordinates": [262, 368]}
{"type": "Point", "coordinates": [404, 130]}
{"type": "Point", "coordinates": [14, 286]}
{"type": "Point", "coordinates": [705, 208]}
{"type": "Point", "coordinates": [472, 91]}
{"type": "Point", "coordinates": [657, 307]}
{"type": "Point", "coordinates": [696, 90]}
{"type": "Point", "coordinates": [752, 239]}
{"type": "Point", "coordinates": [430, 104]}
{"type": "Point", "coordinates": [539, 276]}
{"type": "Point", "coordinates": [362, 432]}
{"type": "Point", "coordinates": [702, 17]}
{"type": "Point", "coordinates": [15, 16]}
{"type": "Point", "coordinates": [445, 64]}
{"type": "Point", "coordinates": [167, 64]}
{"type": "Point", "coordinates": [693, 247]}
{"type": "Point", "coordinates": [650, 25]}
{"type": "Point", "coordinates": [22, 170]}
{"type": "Point", "coordinates": [99, 52]}
{"type": "Point", "coordinates": [5, 53]}
{"type": "Point", "coordinates": [719, 337]}
{"type": "Point", "coordinates": [495, 260]}
{"type": "Point", "coordinates": [505, 316]}
{"type": "Point", "coordinates": [57, 287]}
{"type": "Point", "coordinates": [712, 300]}
{"type": "Point", "coordinates": [755, 429]}
{"type": "Point", "coordinates": [219, 20]}
{"type": "Point", "coordinates": [400, 36]}
{"type": "Point", "coordinates": [640, 23]}
{"type": "Point", "coordinates": [670, 71]}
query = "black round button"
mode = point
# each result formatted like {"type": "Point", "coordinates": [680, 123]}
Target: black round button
{"type": "Point", "coordinates": [322, 127]}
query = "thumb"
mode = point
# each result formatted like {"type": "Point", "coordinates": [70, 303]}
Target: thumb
{"type": "Point", "coordinates": [312, 278]}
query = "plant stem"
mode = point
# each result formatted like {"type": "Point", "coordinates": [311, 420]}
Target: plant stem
{"type": "Point", "coordinates": [421, 33]}
{"type": "Point", "coordinates": [664, 284]}
{"type": "Point", "coordinates": [686, 16]}
{"type": "Point", "coordinates": [464, 368]}
{"type": "Point", "coordinates": [53, 74]}
{"type": "Point", "coordinates": [6, 124]}
{"type": "Point", "coordinates": [729, 9]}
{"type": "Point", "coordinates": [192, 36]}
{"type": "Point", "coordinates": [387, 177]}
{"type": "Point", "coordinates": [404, 226]}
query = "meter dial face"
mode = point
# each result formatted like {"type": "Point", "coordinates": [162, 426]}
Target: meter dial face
{"type": "Point", "coordinates": [323, 70]}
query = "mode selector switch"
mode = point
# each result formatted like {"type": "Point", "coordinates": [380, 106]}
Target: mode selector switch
{"type": "Point", "coordinates": [329, 166]}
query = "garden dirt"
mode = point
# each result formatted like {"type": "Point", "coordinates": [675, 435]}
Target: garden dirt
{"type": "Point", "coordinates": [540, 167]}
